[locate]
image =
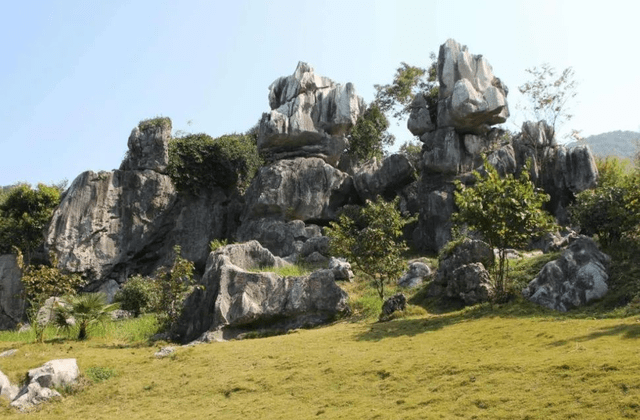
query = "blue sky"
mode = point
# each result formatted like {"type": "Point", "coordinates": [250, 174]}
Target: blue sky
{"type": "Point", "coordinates": [77, 76]}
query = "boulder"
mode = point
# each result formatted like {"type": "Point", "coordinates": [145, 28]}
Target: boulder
{"type": "Point", "coordinates": [578, 277]}
{"type": "Point", "coordinates": [471, 283]}
{"type": "Point", "coordinates": [12, 306]}
{"type": "Point", "coordinates": [470, 98]}
{"type": "Point", "coordinates": [164, 352]}
{"type": "Point", "coordinates": [397, 302]}
{"type": "Point", "coordinates": [109, 290]}
{"type": "Point", "coordinates": [385, 178]}
{"type": "Point", "coordinates": [341, 269]}
{"type": "Point", "coordinates": [55, 373]}
{"type": "Point", "coordinates": [7, 390]}
{"type": "Point", "coordinates": [310, 117]}
{"type": "Point", "coordinates": [415, 275]}
{"type": "Point", "coordinates": [442, 152]}
{"type": "Point", "coordinates": [32, 395]}
{"type": "Point", "coordinates": [234, 298]}
{"type": "Point", "coordinates": [149, 146]}
{"type": "Point", "coordinates": [434, 229]}
{"type": "Point", "coordinates": [420, 120]}
{"type": "Point", "coordinates": [306, 189]}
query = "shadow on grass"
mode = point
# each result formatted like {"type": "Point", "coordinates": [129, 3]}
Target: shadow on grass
{"type": "Point", "coordinates": [625, 331]}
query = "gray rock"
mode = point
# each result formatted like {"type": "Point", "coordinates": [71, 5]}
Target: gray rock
{"type": "Point", "coordinates": [148, 148]}
{"type": "Point", "coordinates": [434, 229]}
{"type": "Point", "coordinates": [32, 395]}
{"type": "Point", "coordinates": [164, 352]}
{"type": "Point", "coordinates": [471, 283]}
{"type": "Point", "coordinates": [470, 97]}
{"type": "Point", "coordinates": [7, 390]}
{"type": "Point", "coordinates": [442, 152]}
{"type": "Point", "coordinates": [235, 298]}
{"type": "Point", "coordinates": [282, 238]}
{"type": "Point", "coordinates": [303, 189]}
{"type": "Point", "coordinates": [319, 244]}
{"type": "Point", "coordinates": [577, 278]}
{"type": "Point", "coordinates": [419, 121]}
{"type": "Point", "coordinates": [415, 275]}
{"type": "Point", "coordinates": [397, 302]}
{"type": "Point", "coordinates": [504, 160]}
{"type": "Point", "coordinates": [341, 269]}
{"type": "Point", "coordinates": [385, 178]}
{"type": "Point", "coordinates": [310, 116]}
{"type": "Point", "coordinates": [316, 258]}
{"type": "Point", "coordinates": [47, 311]}
{"type": "Point", "coordinates": [109, 289]}
{"type": "Point", "coordinates": [12, 306]}
{"type": "Point", "coordinates": [121, 314]}
{"type": "Point", "coordinates": [9, 353]}
{"type": "Point", "coordinates": [55, 373]}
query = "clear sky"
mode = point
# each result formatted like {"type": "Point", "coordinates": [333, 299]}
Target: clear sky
{"type": "Point", "coordinates": [78, 75]}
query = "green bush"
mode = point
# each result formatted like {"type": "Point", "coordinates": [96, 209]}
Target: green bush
{"type": "Point", "coordinates": [139, 295]}
{"type": "Point", "coordinates": [198, 162]}
{"type": "Point", "coordinates": [369, 136]}
{"type": "Point", "coordinates": [160, 122]}
{"type": "Point", "coordinates": [99, 373]}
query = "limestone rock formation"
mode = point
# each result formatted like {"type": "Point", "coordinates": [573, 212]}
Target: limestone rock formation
{"type": "Point", "coordinates": [384, 177]}
{"type": "Point", "coordinates": [579, 276]}
{"type": "Point", "coordinates": [149, 146]}
{"type": "Point", "coordinates": [341, 269]}
{"type": "Point", "coordinates": [235, 298]}
{"type": "Point", "coordinates": [470, 97]}
{"type": "Point", "coordinates": [282, 238]}
{"type": "Point", "coordinates": [310, 116]}
{"type": "Point", "coordinates": [12, 305]}
{"type": "Point", "coordinates": [397, 302]}
{"type": "Point", "coordinates": [462, 273]}
{"type": "Point", "coordinates": [415, 275]}
{"type": "Point", "coordinates": [55, 373]}
{"type": "Point", "coordinates": [420, 120]}
{"type": "Point", "coordinates": [7, 389]}
{"type": "Point", "coordinates": [32, 395]}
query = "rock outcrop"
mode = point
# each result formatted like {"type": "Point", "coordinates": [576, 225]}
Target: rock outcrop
{"type": "Point", "coordinates": [55, 373]}
{"type": "Point", "coordinates": [149, 146]}
{"type": "Point", "coordinates": [415, 275]}
{"type": "Point", "coordinates": [234, 298]}
{"type": "Point", "coordinates": [579, 276]}
{"type": "Point", "coordinates": [310, 117]}
{"type": "Point", "coordinates": [12, 305]}
{"type": "Point", "coordinates": [384, 178]}
{"type": "Point", "coordinates": [8, 391]}
{"type": "Point", "coordinates": [462, 273]}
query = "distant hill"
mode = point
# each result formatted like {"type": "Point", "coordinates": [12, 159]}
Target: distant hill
{"type": "Point", "coordinates": [614, 143]}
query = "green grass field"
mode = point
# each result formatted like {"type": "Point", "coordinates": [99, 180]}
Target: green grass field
{"type": "Point", "coordinates": [508, 361]}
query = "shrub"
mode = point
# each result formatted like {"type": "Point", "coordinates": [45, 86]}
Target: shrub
{"type": "Point", "coordinates": [87, 309]}
{"type": "Point", "coordinates": [160, 122]}
{"type": "Point", "coordinates": [217, 243]}
{"type": "Point", "coordinates": [176, 283]}
{"type": "Point", "coordinates": [139, 295]}
{"type": "Point", "coordinates": [99, 373]}
{"type": "Point", "coordinates": [369, 136]}
{"type": "Point", "coordinates": [198, 162]}
{"type": "Point", "coordinates": [370, 238]}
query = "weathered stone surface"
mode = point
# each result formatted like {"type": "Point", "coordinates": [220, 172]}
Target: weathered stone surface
{"type": "Point", "coordinates": [7, 390]}
{"type": "Point", "coordinates": [164, 352]}
{"type": "Point", "coordinates": [236, 298]}
{"type": "Point", "coordinates": [107, 218]}
{"type": "Point", "coordinates": [397, 302]}
{"type": "Point", "coordinates": [12, 305]}
{"type": "Point", "coordinates": [471, 283]}
{"type": "Point", "coordinates": [442, 152]}
{"type": "Point", "coordinates": [148, 148]}
{"type": "Point", "coordinates": [577, 278]}
{"type": "Point", "coordinates": [282, 238]}
{"type": "Point", "coordinates": [55, 373]}
{"type": "Point", "coordinates": [9, 353]}
{"type": "Point", "coordinates": [420, 121]}
{"type": "Point", "coordinates": [385, 178]}
{"type": "Point", "coordinates": [305, 189]}
{"type": "Point", "coordinates": [434, 229]}
{"type": "Point", "coordinates": [341, 269]}
{"type": "Point", "coordinates": [459, 276]}
{"type": "Point", "coordinates": [109, 289]}
{"type": "Point", "coordinates": [310, 116]}
{"type": "Point", "coordinates": [415, 275]}
{"type": "Point", "coordinates": [471, 98]}
{"type": "Point", "coordinates": [504, 160]}
{"type": "Point", "coordinates": [32, 395]}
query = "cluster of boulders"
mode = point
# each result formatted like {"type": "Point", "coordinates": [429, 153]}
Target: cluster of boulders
{"type": "Point", "coordinates": [111, 225]}
{"type": "Point", "coordinates": [40, 384]}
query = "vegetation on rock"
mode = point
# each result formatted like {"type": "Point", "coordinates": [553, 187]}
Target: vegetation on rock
{"type": "Point", "coordinates": [156, 122]}
{"type": "Point", "coordinates": [369, 137]}
{"type": "Point", "coordinates": [198, 162]}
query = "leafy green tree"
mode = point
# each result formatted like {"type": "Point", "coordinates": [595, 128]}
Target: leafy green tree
{"type": "Point", "coordinates": [24, 214]}
{"type": "Point", "coordinates": [198, 162]}
{"type": "Point", "coordinates": [176, 283]}
{"type": "Point", "coordinates": [42, 282]}
{"type": "Point", "coordinates": [86, 309]}
{"type": "Point", "coordinates": [506, 211]}
{"type": "Point", "coordinates": [549, 94]}
{"type": "Point", "coordinates": [612, 209]}
{"type": "Point", "coordinates": [370, 238]}
{"type": "Point", "coordinates": [139, 295]}
{"type": "Point", "coordinates": [369, 136]}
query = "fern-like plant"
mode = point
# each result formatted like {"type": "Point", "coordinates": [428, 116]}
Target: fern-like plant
{"type": "Point", "coordinates": [87, 309]}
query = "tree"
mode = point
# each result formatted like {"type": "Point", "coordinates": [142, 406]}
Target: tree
{"type": "Point", "coordinates": [369, 237]}
{"type": "Point", "coordinates": [87, 310]}
{"type": "Point", "coordinates": [549, 97]}
{"type": "Point", "coordinates": [176, 282]}
{"type": "Point", "coordinates": [369, 136]}
{"type": "Point", "coordinates": [507, 212]}
{"type": "Point", "coordinates": [24, 214]}
{"type": "Point", "coordinates": [413, 152]}
{"type": "Point", "coordinates": [42, 282]}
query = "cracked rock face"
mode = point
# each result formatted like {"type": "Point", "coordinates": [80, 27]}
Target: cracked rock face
{"type": "Point", "coordinates": [310, 117]}
{"type": "Point", "coordinates": [148, 148]}
{"type": "Point", "coordinates": [471, 97]}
